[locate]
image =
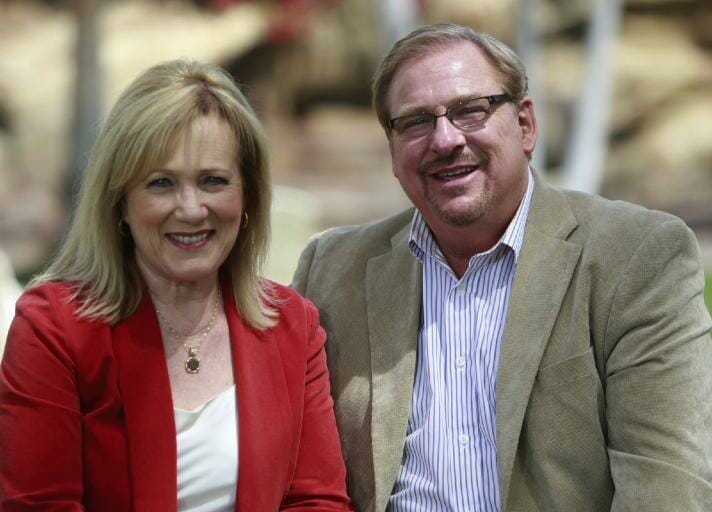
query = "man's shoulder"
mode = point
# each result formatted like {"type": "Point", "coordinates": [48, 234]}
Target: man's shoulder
{"type": "Point", "coordinates": [337, 256]}
{"type": "Point", "coordinates": [599, 217]}
{"type": "Point", "coordinates": [369, 237]}
{"type": "Point", "coordinates": [595, 208]}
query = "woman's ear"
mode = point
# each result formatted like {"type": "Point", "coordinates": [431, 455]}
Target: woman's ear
{"type": "Point", "coordinates": [122, 208]}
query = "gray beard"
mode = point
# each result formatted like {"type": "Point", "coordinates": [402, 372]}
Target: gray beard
{"type": "Point", "coordinates": [459, 219]}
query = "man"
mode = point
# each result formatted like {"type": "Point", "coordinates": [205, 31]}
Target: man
{"type": "Point", "coordinates": [507, 346]}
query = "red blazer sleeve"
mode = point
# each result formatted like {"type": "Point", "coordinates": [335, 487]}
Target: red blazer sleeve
{"type": "Point", "coordinates": [319, 476]}
{"type": "Point", "coordinates": [40, 418]}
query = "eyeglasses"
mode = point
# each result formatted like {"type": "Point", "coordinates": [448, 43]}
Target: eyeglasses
{"type": "Point", "coordinates": [463, 115]}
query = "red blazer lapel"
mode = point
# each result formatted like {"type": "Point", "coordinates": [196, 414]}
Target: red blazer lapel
{"type": "Point", "coordinates": [266, 437]}
{"type": "Point", "coordinates": [148, 410]}
{"type": "Point", "coordinates": [264, 416]}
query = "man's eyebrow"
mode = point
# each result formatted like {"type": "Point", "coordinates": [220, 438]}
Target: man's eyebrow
{"type": "Point", "coordinates": [426, 110]}
{"type": "Point", "coordinates": [413, 111]}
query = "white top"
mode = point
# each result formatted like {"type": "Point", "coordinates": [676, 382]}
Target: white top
{"type": "Point", "coordinates": [208, 455]}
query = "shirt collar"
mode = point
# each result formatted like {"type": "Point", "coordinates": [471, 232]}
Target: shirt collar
{"type": "Point", "coordinates": [422, 241]}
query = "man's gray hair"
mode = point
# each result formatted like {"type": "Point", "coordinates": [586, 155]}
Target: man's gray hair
{"type": "Point", "coordinates": [428, 39]}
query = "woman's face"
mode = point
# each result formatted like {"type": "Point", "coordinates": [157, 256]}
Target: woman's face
{"type": "Point", "coordinates": [185, 215]}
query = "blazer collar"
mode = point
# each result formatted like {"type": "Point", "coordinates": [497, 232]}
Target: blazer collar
{"type": "Point", "coordinates": [148, 409]}
{"type": "Point", "coordinates": [393, 287]}
{"type": "Point", "coordinates": [543, 274]}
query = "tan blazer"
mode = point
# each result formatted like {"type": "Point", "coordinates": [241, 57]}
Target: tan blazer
{"type": "Point", "coordinates": [604, 388]}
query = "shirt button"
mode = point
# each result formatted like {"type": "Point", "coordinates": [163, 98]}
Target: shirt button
{"type": "Point", "coordinates": [461, 288]}
{"type": "Point", "coordinates": [463, 439]}
{"type": "Point", "coordinates": [460, 362]}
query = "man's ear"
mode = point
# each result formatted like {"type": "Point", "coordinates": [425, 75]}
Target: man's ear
{"type": "Point", "coordinates": [527, 123]}
{"type": "Point", "coordinates": [391, 151]}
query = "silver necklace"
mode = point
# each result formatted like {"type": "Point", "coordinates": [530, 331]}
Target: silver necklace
{"type": "Point", "coordinates": [192, 363]}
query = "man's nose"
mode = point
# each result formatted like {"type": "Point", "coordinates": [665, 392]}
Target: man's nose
{"type": "Point", "coordinates": [446, 137]}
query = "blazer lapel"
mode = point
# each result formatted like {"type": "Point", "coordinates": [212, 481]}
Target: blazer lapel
{"type": "Point", "coordinates": [544, 269]}
{"type": "Point", "coordinates": [393, 287]}
{"type": "Point", "coordinates": [148, 410]}
{"type": "Point", "coordinates": [263, 412]}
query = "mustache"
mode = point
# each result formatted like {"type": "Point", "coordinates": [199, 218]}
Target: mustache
{"type": "Point", "coordinates": [468, 159]}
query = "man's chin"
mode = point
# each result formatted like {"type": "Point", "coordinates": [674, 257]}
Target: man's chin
{"type": "Point", "coordinates": [464, 215]}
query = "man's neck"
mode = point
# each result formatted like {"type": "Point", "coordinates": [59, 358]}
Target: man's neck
{"type": "Point", "coordinates": [460, 243]}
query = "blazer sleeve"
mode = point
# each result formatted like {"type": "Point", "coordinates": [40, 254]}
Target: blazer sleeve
{"type": "Point", "coordinates": [659, 378]}
{"type": "Point", "coordinates": [40, 418]}
{"type": "Point", "coordinates": [319, 481]}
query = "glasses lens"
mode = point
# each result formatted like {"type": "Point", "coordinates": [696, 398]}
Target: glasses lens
{"type": "Point", "coordinates": [470, 113]}
{"type": "Point", "coordinates": [415, 125]}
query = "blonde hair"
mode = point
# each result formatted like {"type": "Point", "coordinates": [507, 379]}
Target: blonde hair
{"type": "Point", "coordinates": [426, 40]}
{"type": "Point", "coordinates": [96, 257]}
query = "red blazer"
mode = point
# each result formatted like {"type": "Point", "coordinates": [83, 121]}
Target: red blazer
{"type": "Point", "coordinates": [87, 423]}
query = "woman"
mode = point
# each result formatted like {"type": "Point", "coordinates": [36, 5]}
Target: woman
{"type": "Point", "coordinates": [150, 368]}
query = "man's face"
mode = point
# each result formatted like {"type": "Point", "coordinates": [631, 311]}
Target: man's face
{"type": "Point", "coordinates": [456, 177]}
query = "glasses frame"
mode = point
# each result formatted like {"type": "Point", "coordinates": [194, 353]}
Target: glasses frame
{"type": "Point", "coordinates": [492, 99]}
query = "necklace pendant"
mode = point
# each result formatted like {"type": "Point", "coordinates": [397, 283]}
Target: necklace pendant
{"type": "Point", "coordinates": [192, 364]}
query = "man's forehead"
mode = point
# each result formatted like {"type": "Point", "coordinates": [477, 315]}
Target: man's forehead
{"type": "Point", "coordinates": [441, 77]}
{"type": "Point", "coordinates": [437, 55]}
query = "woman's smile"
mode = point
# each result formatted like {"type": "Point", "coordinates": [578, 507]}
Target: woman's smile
{"type": "Point", "coordinates": [190, 241]}
{"type": "Point", "coordinates": [185, 215]}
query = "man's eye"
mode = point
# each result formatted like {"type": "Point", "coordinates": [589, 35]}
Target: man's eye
{"type": "Point", "coordinates": [470, 110]}
{"type": "Point", "coordinates": [415, 121]}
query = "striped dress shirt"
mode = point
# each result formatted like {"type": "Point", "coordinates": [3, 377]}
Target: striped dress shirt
{"type": "Point", "coordinates": [450, 455]}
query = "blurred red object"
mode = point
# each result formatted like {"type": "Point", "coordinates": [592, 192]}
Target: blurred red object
{"type": "Point", "coordinates": [290, 21]}
{"type": "Point", "coordinates": [222, 4]}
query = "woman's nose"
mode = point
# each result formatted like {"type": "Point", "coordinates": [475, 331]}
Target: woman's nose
{"type": "Point", "coordinates": [190, 207]}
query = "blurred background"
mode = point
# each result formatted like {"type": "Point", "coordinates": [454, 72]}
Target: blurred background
{"type": "Point", "coordinates": [623, 90]}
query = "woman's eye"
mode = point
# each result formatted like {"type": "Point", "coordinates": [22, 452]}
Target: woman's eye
{"type": "Point", "coordinates": [159, 183]}
{"type": "Point", "coordinates": [215, 180]}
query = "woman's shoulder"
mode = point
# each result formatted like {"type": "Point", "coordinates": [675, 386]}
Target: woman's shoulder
{"type": "Point", "coordinates": [46, 322]}
{"type": "Point", "coordinates": [55, 295]}
{"type": "Point", "coordinates": [290, 304]}
{"type": "Point", "coordinates": [54, 301]}
{"type": "Point", "coordinates": [284, 296]}
{"type": "Point", "coordinates": [297, 329]}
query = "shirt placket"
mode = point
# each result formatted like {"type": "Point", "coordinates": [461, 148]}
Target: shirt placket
{"type": "Point", "coordinates": [460, 390]}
